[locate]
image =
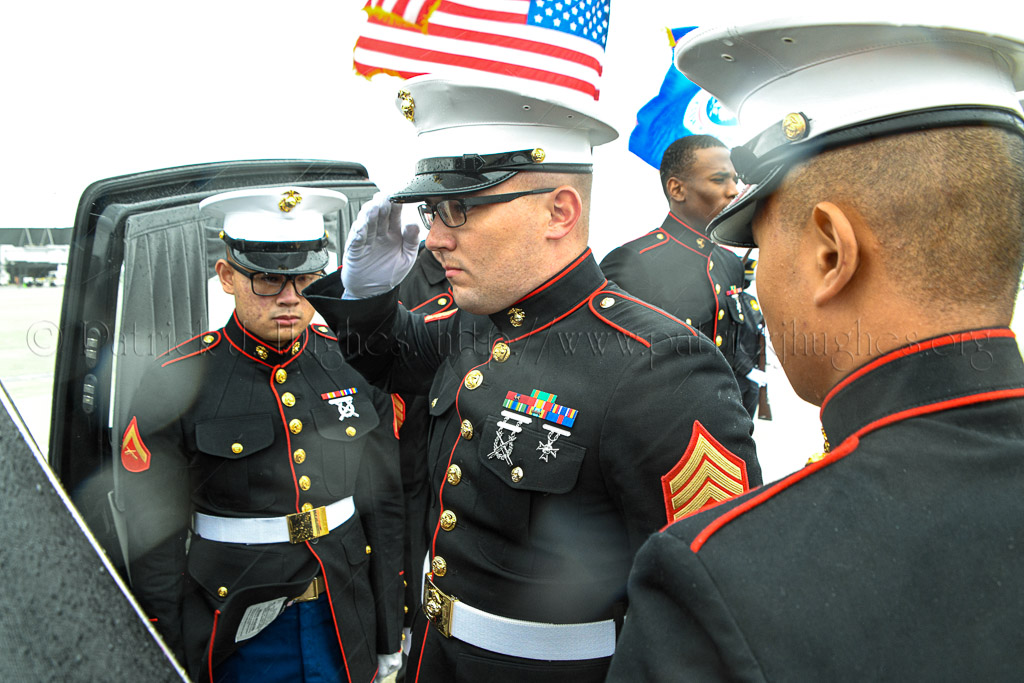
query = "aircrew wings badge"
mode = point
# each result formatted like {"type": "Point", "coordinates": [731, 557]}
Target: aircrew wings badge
{"type": "Point", "coordinates": [134, 455]}
{"type": "Point", "coordinates": [707, 473]}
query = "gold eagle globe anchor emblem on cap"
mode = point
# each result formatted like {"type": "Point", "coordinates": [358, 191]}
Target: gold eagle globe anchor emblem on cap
{"type": "Point", "coordinates": [794, 126]}
{"type": "Point", "coordinates": [406, 104]}
{"type": "Point", "coordinates": [290, 201]}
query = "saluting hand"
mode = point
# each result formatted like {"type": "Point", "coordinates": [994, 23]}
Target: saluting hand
{"type": "Point", "coordinates": [380, 250]}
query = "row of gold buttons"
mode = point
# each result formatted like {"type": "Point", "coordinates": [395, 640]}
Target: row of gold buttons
{"type": "Point", "coordinates": [501, 353]}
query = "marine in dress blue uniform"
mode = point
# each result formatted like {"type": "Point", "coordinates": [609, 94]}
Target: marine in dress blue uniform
{"type": "Point", "coordinates": [680, 270]}
{"type": "Point", "coordinates": [261, 473]}
{"type": "Point", "coordinates": [569, 419]}
{"type": "Point", "coordinates": [886, 207]}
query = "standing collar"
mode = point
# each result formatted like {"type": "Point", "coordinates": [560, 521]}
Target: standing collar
{"type": "Point", "coordinates": [682, 232]}
{"type": "Point", "coordinates": [919, 377]}
{"type": "Point", "coordinates": [553, 299]}
{"type": "Point", "coordinates": [260, 351]}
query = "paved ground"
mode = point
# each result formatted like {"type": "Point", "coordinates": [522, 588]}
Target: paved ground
{"type": "Point", "coordinates": [28, 348]}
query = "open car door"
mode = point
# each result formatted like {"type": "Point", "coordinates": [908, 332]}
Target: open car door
{"type": "Point", "coordinates": [140, 280]}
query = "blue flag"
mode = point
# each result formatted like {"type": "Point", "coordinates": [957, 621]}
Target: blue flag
{"type": "Point", "coordinates": [680, 108]}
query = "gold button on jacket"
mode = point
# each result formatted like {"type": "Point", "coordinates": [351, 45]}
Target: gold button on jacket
{"type": "Point", "coordinates": [260, 439]}
{"type": "Point", "coordinates": [565, 432]}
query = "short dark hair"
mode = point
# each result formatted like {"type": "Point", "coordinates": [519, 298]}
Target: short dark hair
{"type": "Point", "coordinates": [946, 204]}
{"type": "Point", "coordinates": [679, 157]}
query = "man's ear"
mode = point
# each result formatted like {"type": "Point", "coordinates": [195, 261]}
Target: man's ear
{"type": "Point", "coordinates": [836, 250]}
{"type": "Point", "coordinates": [226, 274]}
{"type": "Point", "coordinates": [566, 209]}
{"type": "Point", "coordinates": [676, 189]}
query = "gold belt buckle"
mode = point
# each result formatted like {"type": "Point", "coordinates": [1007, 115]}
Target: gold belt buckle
{"type": "Point", "coordinates": [305, 526]}
{"type": "Point", "coordinates": [438, 607]}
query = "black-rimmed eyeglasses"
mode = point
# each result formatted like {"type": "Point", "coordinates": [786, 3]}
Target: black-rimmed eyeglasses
{"type": "Point", "coordinates": [272, 284]}
{"type": "Point", "coordinates": [452, 212]}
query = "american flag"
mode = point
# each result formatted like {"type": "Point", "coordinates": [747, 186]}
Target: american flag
{"type": "Point", "coordinates": [559, 42]}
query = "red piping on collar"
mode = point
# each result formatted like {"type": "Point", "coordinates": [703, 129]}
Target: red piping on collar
{"type": "Point", "coordinates": [564, 315]}
{"type": "Point", "coordinates": [944, 340]}
{"type": "Point", "coordinates": [305, 341]}
{"type": "Point", "coordinates": [572, 266]}
{"type": "Point", "coordinates": [849, 445]}
{"type": "Point", "coordinates": [698, 233]}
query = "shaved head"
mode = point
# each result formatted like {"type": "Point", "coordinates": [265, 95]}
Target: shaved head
{"type": "Point", "coordinates": [946, 205]}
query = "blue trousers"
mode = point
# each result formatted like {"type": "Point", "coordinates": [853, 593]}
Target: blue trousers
{"type": "Point", "coordinates": [300, 645]}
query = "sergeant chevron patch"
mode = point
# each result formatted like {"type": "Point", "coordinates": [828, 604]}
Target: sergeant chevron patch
{"type": "Point", "coordinates": [707, 473]}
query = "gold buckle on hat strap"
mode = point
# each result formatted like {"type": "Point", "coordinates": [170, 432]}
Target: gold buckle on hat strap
{"type": "Point", "coordinates": [305, 526]}
{"type": "Point", "coordinates": [438, 607]}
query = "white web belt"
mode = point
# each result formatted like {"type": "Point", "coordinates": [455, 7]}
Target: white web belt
{"type": "Point", "coordinates": [532, 640]}
{"type": "Point", "coordinates": [268, 529]}
{"type": "Point", "coordinates": [526, 639]}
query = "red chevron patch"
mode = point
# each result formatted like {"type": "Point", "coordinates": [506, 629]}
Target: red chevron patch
{"type": "Point", "coordinates": [707, 473]}
{"type": "Point", "coordinates": [134, 455]}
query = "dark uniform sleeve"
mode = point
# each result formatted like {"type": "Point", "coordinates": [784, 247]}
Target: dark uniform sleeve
{"type": "Point", "coordinates": [623, 267]}
{"type": "Point", "coordinates": [155, 490]}
{"type": "Point", "coordinates": [392, 348]}
{"type": "Point", "coordinates": [679, 627]}
{"type": "Point", "coordinates": [379, 501]}
{"type": "Point", "coordinates": [661, 397]}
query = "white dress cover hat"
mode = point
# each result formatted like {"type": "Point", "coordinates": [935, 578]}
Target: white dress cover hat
{"type": "Point", "coordinates": [473, 135]}
{"type": "Point", "coordinates": [814, 84]}
{"type": "Point", "coordinates": [275, 229]}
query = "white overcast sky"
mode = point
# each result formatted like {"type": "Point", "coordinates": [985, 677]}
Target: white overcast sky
{"type": "Point", "coordinates": [98, 89]}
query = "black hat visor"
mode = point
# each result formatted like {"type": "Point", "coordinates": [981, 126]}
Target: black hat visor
{"type": "Point", "coordinates": [279, 258]}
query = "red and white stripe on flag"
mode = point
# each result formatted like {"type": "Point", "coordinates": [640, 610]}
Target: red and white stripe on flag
{"type": "Point", "coordinates": [558, 42]}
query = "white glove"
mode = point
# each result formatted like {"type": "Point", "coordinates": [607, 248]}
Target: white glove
{"type": "Point", "coordinates": [380, 250]}
{"type": "Point", "coordinates": [388, 664]}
